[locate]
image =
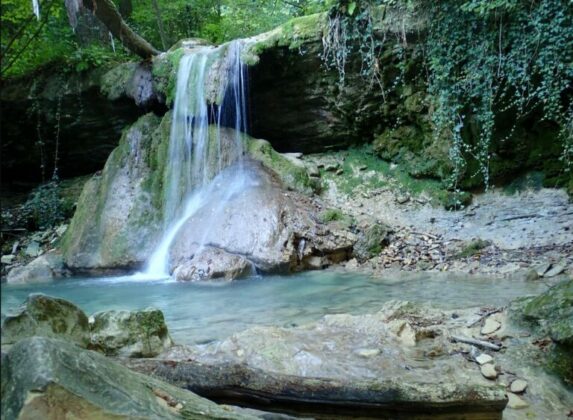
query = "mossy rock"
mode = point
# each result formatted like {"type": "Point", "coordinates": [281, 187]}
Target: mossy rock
{"type": "Point", "coordinates": [553, 311]}
{"type": "Point", "coordinates": [371, 241]}
{"type": "Point", "coordinates": [293, 175]}
{"type": "Point", "coordinates": [46, 316]}
{"type": "Point", "coordinates": [45, 378]}
{"type": "Point", "coordinates": [130, 333]}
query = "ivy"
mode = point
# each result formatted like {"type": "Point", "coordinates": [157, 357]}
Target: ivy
{"type": "Point", "coordinates": [483, 58]}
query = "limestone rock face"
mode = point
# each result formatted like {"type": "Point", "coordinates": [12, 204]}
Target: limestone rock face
{"type": "Point", "coordinates": [213, 264]}
{"type": "Point", "coordinates": [90, 124]}
{"type": "Point", "coordinates": [40, 380]}
{"type": "Point", "coordinates": [130, 333]}
{"type": "Point", "coordinates": [42, 315]}
{"type": "Point", "coordinates": [117, 221]}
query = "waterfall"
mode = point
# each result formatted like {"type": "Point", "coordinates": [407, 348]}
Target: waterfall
{"type": "Point", "coordinates": [198, 151]}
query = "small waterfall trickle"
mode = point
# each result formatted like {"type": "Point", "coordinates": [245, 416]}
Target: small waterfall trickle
{"type": "Point", "coordinates": [198, 151]}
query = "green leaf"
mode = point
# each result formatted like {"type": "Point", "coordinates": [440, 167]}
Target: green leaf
{"type": "Point", "coordinates": [351, 7]}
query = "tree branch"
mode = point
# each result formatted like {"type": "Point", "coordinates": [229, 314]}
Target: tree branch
{"type": "Point", "coordinates": [108, 14]}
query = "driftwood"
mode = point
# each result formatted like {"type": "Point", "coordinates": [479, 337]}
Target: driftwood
{"type": "Point", "coordinates": [239, 384]}
{"type": "Point", "coordinates": [479, 343]}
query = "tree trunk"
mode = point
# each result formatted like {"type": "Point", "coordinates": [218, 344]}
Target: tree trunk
{"type": "Point", "coordinates": [106, 12]}
{"type": "Point", "coordinates": [160, 23]}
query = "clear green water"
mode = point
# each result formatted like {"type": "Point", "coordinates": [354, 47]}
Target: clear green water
{"type": "Point", "coordinates": [199, 313]}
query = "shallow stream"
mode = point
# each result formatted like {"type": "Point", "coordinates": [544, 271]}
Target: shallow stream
{"type": "Point", "coordinates": [200, 313]}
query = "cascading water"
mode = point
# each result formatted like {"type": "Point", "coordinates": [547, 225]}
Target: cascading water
{"type": "Point", "coordinates": [198, 151]}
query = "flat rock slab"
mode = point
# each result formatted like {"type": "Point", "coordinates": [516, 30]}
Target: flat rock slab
{"type": "Point", "coordinates": [396, 363]}
{"type": "Point", "coordinates": [45, 378]}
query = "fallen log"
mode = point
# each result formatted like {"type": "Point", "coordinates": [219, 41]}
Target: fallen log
{"type": "Point", "coordinates": [479, 343]}
{"type": "Point", "coordinates": [239, 384]}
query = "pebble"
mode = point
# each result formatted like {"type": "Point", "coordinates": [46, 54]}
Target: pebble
{"type": "Point", "coordinates": [542, 268]}
{"type": "Point", "coordinates": [490, 326]}
{"type": "Point", "coordinates": [531, 275]}
{"type": "Point", "coordinates": [515, 402]}
{"type": "Point", "coordinates": [403, 199]}
{"type": "Point", "coordinates": [518, 386]}
{"type": "Point", "coordinates": [368, 352]}
{"type": "Point", "coordinates": [488, 371]}
{"type": "Point", "coordinates": [483, 358]}
{"type": "Point", "coordinates": [556, 270]}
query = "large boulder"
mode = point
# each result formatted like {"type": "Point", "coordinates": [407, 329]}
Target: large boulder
{"type": "Point", "coordinates": [130, 333]}
{"type": "Point", "coordinates": [53, 379]}
{"type": "Point", "coordinates": [117, 222]}
{"type": "Point", "coordinates": [46, 316]}
{"type": "Point", "coordinates": [551, 312]}
{"type": "Point", "coordinates": [213, 264]}
{"type": "Point", "coordinates": [40, 270]}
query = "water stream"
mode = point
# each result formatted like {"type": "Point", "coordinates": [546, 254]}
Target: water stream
{"type": "Point", "coordinates": [199, 313]}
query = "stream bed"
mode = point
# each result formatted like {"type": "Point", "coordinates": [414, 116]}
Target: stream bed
{"type": "Point", "coordinates": [203, 312]}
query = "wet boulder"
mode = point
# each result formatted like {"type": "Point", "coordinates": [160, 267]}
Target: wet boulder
{"type": "Point", "coordinates": [213, 264]}
{"type": "Point", "coordinates": [40, 270]}
{"type": "Point", "coordinates": [130, 333]}
{"type": "Point", "coordinates": [46, 316]}
{"type": "Point", "coordinates": [52, 379]}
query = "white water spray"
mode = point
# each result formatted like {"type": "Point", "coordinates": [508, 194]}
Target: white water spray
{"type": "Point", "coordinates": [198, 151]}
{"type": "Point", "coordinates": [36, 8]}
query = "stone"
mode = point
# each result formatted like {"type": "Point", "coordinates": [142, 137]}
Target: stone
{"type": "Point", "coordinates": [515, 402]}
{"type": "Point", "coordinates": [41, 270]}
{"type": "Point", "coordinates": [518, 386]}
{"type": "Point", "coordinates": [46, 316]}
{"type": "Point", "coordinates": [53, 379]}
{"type": "Point", "coordinates": [33, 249]}
{"type": "Point", "coordinates": [371, 241]}
{"type": "Point", "coordinates": [331, 167]}
{"type": "Point", "coordinates": [130, 333]}
{"type": "Point", "coordinates": [402, 199]}
{"type": "Point", "coordinates": [483, 358]}
{"type": "Point", "coordinates": [213, 264]}
{"type": "Point", "coordinates": [531, 275]}
{"type": "Point", "coordinates": [60, 230]}
{"type": "Point", "coordinates": [490, 326]}
{"type": "Point", "coordinates": [556, 269]}
{"type": "Point", "coordinates": [551, 312]}
{"type": "Point", "coordinates": [7, 259]}
{"type": "Point", "coordinates": [542, 268]}
{"type": "Point", "coordinates": [368, 352]}
{"type": "Point", "coordinates": [488, 371]}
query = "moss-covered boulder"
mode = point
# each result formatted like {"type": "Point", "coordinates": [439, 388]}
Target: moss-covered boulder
{"type": "Point", "coordinates": [551, 314]}
{"type": "Point", "coordinates": [291, 172]}
{"type": "Point", "coordinates": [552, 311]}
{"type": "Point", "coordinates": [52, 379]}
{"type": "Point", "coordinates": [371, 241]}
{"type": "Point", "coordinates": [118, 216]}
{"type": "Point", "coordinates": [130, 333]}
{"type": "Point", "coordinates": [46, 316]}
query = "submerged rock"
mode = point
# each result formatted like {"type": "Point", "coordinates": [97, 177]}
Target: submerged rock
{"type": "Point", "coordinates": [46, 316]}
{"type": "Point", "coordinates": [213, 264]}
{"type": "Point", "coordinates": [130, 333]}
{"type": "Point", "coordinates": [341, 364]}
{"type": "Point", "coordinates": [48, 378]}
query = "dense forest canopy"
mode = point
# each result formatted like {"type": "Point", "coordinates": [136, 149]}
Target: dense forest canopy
{"type": "Point", "coordinates": [30, 41]}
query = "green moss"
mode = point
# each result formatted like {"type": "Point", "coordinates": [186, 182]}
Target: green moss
{"type": "Point", "coordinates": [473, 248]}
{"type": "Point", "coordinates": [331, 215]}
{"type": "Point", "coordinates": [115, 81]}
{"type": "Point", "coordinates": [292, 34]}
{"type": "Point", "coordinates": [363, 171]}
{"type": "Point", "coordinates": [164, 72]}
{"type": "Point", "coordinates": [293, 176]}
